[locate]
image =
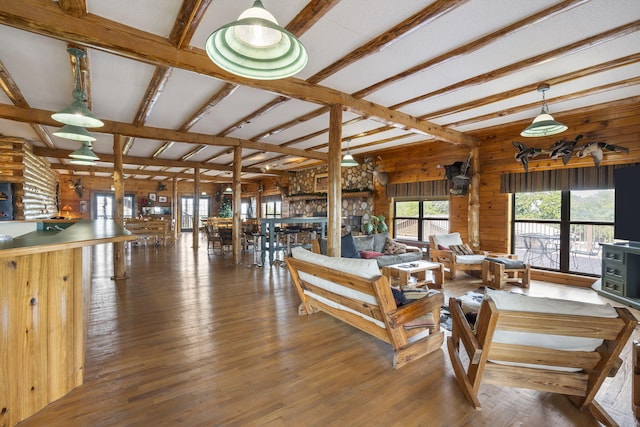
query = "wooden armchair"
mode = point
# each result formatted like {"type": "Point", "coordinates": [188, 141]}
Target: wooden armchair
{"type": "Point", "coordinates": [543, 344]}
{"type": "Point", "coordinates": [440, 251]}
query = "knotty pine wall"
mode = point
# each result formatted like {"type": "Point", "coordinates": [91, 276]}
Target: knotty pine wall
{"type": "Point", "coordinates": [617, 124]}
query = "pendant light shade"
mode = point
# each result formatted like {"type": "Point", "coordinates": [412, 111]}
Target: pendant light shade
{"type": "Point", "coordinates": [347, 159]}
{"type": "Point", "coordinates": [227, 190]}
{"type": "Point", "coordinates": [77, 114]}
{"type": "Point", "coordinates": [543, 124]}
{"type": "Point", "coordinates": [84, 155]}
{"type": "Point", "coordinates": [256, 47]}
{"type": "Point", "coordinates": [75, 133]}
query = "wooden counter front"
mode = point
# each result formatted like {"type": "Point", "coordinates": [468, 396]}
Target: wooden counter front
{"type": "Point", "coordinates": [45, 288]}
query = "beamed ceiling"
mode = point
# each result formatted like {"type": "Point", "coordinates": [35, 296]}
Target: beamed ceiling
{"type": "Point", "coordinates": [404, 72]}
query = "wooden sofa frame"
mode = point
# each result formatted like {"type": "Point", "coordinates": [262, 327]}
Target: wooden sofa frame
{"type": "Point", "coordinates": [486, 359]}
{"type": "Point", "coordinates": [408, 344]}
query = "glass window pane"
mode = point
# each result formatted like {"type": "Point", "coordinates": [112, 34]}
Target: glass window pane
{"type": "Point", "coordinates": [407, 209]}
{"type": "Point", "coordinates": [435, 208]}
{"type": "Point", "coordinates": [585, 247]}
{"type": "Point", "coordinates": [540, 205]}
{"type": "Point", "coordinates": [592, 205]}
{"type": "Point", "coordinates": [406, 229]}
{"type": "Point", "coordinates": [434, 226]}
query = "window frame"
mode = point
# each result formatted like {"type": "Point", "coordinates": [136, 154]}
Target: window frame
{"type": "Point", "coordinates": [421, 218]}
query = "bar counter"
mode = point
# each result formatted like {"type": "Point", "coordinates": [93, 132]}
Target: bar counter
{"type": "Point", "coordinates": [45, 289]}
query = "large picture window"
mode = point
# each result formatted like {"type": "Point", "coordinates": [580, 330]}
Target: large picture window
{"type": "Point", "coordinates": [417, 219]}
{"type": "Point", "coordinates": [563, 230]}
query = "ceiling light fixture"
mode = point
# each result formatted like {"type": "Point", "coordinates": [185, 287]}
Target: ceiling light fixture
{"type": "Point", "coordinates": [227, 190]}
{"type": "Point", "coordinates": [77, 114]}
{"type": "Point", "coordinates": [347, 159]}
{"type": "Point", "coordinates": [256, 47]}
{"type": "Point", "coordinates": [543, 124]}
{"type": "Point", "coordinates": [84, 155]}
{"type": "Point", "coordinates": [75, 133]}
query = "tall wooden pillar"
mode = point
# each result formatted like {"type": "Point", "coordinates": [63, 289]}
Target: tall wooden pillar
{"type": "Point", "coordinates": [474, 200]}
{"type": "Point", "coordinates": [119, 271]}
{"type": "Point", "coordinates": [196, 206]}
{"type": "Point", "coordinates": [334, 193]}
{"type": "Point", "coordinates": [237, 200]}
{"type": "Point", "coordinates": [175, 205]}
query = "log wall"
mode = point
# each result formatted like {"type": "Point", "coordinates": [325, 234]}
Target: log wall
{"type": "Point", "coordinates": [618, 125]}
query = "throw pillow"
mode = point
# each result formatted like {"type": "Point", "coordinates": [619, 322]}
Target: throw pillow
{"type": "Point", "coordinates": [461, 249]}
{"type": "Point", "coordinates": [348, 247]}
{"type": "Point", "coordinates": [391, 247]}
{"type": "Point", "coordinates": [364, 243]}
{"type": "Point", "coordinates": [370, 254]}
{"type": "Point", "coordinates": [444, 248]}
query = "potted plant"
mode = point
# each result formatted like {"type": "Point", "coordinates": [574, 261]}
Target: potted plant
{"type": "Point", "coordinates": [375, 225]}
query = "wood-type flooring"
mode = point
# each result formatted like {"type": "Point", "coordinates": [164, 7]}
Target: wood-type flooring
{"type": "Point", "coordinates": [191, 340]}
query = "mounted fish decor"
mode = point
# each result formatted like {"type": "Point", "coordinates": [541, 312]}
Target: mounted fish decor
{"type": "Point", "coordinates": [563, 149]}
{"type": "Point", "coordinates": [598, 149]}
{"type": "Point", "coordinates": [525, 153]}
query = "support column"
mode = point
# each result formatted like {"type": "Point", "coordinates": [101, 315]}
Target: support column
{"type": "Point", "coordinates": [196, 206]}
{"type": "Point", "coordinates": [119, 271]}
{"type": "Point", "coordinates": [334, 192]}
{"type": "Point", "coordinates": [237, 200]}
{"type": "Point", "coordinates": [175, 214]}
{"type": "Point", "coordinates": [474, 200]}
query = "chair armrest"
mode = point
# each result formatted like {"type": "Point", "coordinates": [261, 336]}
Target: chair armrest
{"type": "Point", "coordinates": [479, 252]}
{"type": "Point", "coordinates": [413, 310]}
{"type": "Point", "coordinates": [412, 248]}
{"type": "Point", "coordinates": [442, 255]}
{"type": "Point", "coordinates": [461, 328]}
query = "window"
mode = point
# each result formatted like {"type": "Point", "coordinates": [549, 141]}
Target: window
{"type": "Point", "coordinates": [562, 230]}
{"type": "Point", "coordinates": [272, 209]}
{"type": "Point", "coordinates": [418, 219]}
{"type": "Point", "coordinates": [103, 205]}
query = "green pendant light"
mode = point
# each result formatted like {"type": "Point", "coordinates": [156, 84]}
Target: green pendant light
{"type": "Point", "coordinates": [256, 47]}
{"type": "Point", "coordinates": [77, 114]}
{"type": "Point", "coordinates": [75, 133]}
{"type": "Point", "coordinates": [348, 160]}
{"type": "Point", "coordinates": [543, 124]}
{"type": "Point", "coordinates": [84, 155]}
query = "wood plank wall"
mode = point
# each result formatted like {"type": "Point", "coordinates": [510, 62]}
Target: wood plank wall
{"type": "Point", "coordinates": [617, 124]}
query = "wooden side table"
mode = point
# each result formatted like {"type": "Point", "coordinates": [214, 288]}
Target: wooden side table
{"type": "Point", "coordinates": [417, 269]}
{"type": "Point", "coordinates": [497, 275]}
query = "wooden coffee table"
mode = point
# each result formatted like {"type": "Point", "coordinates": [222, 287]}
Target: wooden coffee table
{"type": "Point", "coordinates": [417, 269]}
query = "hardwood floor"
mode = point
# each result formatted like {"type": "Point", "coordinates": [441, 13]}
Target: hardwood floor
{"type": "Point", "coordinates": [189, 340]}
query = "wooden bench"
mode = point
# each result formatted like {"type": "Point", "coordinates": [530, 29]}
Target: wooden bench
{"type": "Point", "coordinates": [354, 291]}
{"type": "Point", "coordinates": [544, 344]}
{"type": "Point", "coordinates": [153, 229]}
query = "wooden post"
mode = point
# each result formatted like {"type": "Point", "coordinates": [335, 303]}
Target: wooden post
{"type": "Point", "coordinates": [119, 271]}
{"type": "Point", "coordinates": [175, 214]}
{"type": "Point", "coordinates": [237, 200]}
{"type": "Point", "coordinates": [474, 200]}
{"type": "Point", "coordinates": [196, 206]}
{"type": "Point", "coordinates": [636, 380]}
{"type": "Point", "coordinates": [334, 193]}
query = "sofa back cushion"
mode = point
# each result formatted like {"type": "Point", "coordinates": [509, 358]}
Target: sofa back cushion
{"type": "Point", "coordinates": [379, 241]}
{"type": "Point", "coordinates": [446, 240]}
{"type": "Point", "coordinates": [364, 243]}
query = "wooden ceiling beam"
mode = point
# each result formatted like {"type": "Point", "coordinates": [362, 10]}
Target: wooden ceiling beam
{"type": "Point", "coordinates": [11, 89]}
{"type": "Point", "coordinates": [564, 51]}
{"type": "Point", "coordinates": [397, 32]}
{"type": "Point", "coordinates": [75, 8]}
{"type": "Point", "coordinates": [44, 18]}
{"type": "Point", "coordinates": [44, 117]}
{"type": "Point", "coordinates": [474, 45]}
{"type": "Point", "coordinates": [136, 172]}
{"type": "Point", "coordinates": [144, 161]}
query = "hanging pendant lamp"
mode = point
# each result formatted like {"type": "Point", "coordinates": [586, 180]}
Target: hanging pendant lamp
{"type": "Point", "coordinates": [543, 124]}
{"type": "Point", "coordinates": [84, 155]}
{"type": "Point", "coordinates": [77, 114]}
{"type": "Point", "coordinates": [75, 133]}
{"type": "Point", "coordinates": [256, 47]}
{"type": "Point", "coordinates": [348, 160]}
